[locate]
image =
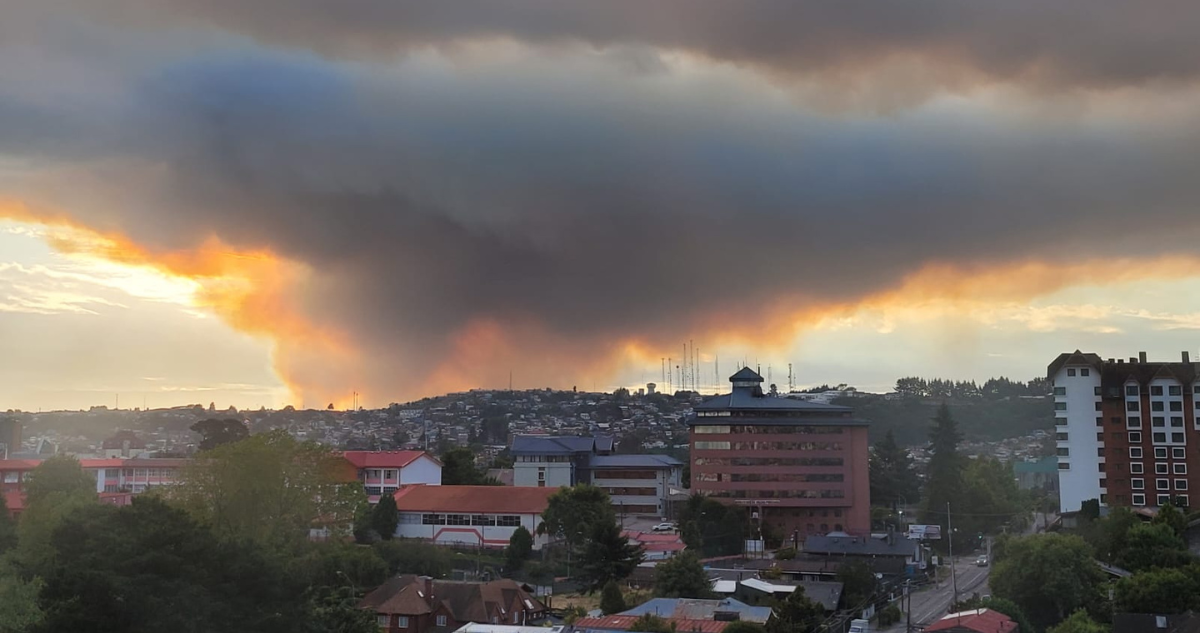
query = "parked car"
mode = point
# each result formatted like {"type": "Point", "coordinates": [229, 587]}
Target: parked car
{"type": "Point", "coordinates": [663, 527]}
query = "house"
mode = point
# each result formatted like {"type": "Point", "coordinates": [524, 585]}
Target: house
{"type": "Point", "coordinates": [690, 609]}
{"type": "Point", "coordinates": [637, 484]}
{"type": "Point", "coordinates": [1187, 622]}
{"type": "Point", "coordinates": [974, 621]}
{"type": "Point", "coordinates": [875, 546]}
{"type": "Point", "coordinates": [616, 623]}
{"type": "Point", "coordinates": [383, 472]}
{"type": "Point", "coordinates": [473, 627]}
{"type": "Point", "coordinates": [758, 591]}
{"type": "Point", "coordinates": [416, 604]}
{"type": "Point", "coordinates": [124, 443]}
{"type": "Point", "coordinates": [471, 515]}
{"type": "Point", "coordinates": [657, 546]}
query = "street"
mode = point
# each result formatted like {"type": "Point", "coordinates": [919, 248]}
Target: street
{"type": "Point", "coordinates": [933, 601]}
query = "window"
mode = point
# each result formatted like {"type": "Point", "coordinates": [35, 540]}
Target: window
{"type": "Point", "coordinates": [458, 519]}
{"type": "Point", "coordinates": [516, 618]}
{"type": "Point", "coordinates": [1103, 483]}
{"type": "Point", "coordinates": [1103, 498]}
{"type": "Point", "coordinates": [1139, 500]}
{"type": "Point", "coordinates": [1175, 390]}
{"type": "Point", "coordinates": [1083, 372]}
{"type": "Point", "coordinates": [402, 621]}
{"type": "Point", "coordinates": [441, 620]}
{"type": "Point", "coordinates": [1099, 421]}
{"type": "Point", "coordinates": [508, 520]}
{"type": "Point", "coordinates": [1071, 371]}
{"type": "Point", "coordinates": [1164, 499]}
{"type": "Point", "coordinates": [1158, 421]}
{"type": "Point", "coordinates": [1160, 452]}
{"type": "Point", "coordinates": [1160, 468]}
{"type": "Point", "coordinates": [1177, 438]}
{"type": "Point", "coordinates": [1135, 437]}
{"type": "Point", "coordinates": [1118, 420]}
{"type": "Point", "coordinates": [1099, 406]}
{"type": "Point", "coordinates": [1099, 437]}
{"type": "Point", "coordinates": [1181, 484]}
{"type": "Point", "coordinates": [381, 620]}
{"type": "Point", "coordinates": [1135, 422]}
{"type": "Point", "coordinates": [1096, 391]}
{"type": "Point", "coordinates": [1062, 437]}
{"type": "Point", "coordinates": [1177, 420]}
{"type": "Point", "coordinates": [1064, 452]}
{"type": "Point", "coordinates": [1131, 390]}
{"type": "Point", "coordinates": [1064, 466]}
{"type": "Point", "coordinates": [1160, 437]}
{"type": "Point", "coordinates": [1060, 391]}
{"type": "Point", "coordinates": [1181, 501]}
{"type": "Point", "coordinates": [433, 519]}
{"type": "Point", "coordinates": [1135, 468]}
{"type": "Point", "coordinates": [1060, 421]}
{"type": "Point", "coordinates": [1176, 405]}
{"type": "Point", "coordinates": [1157, 405]}
{"type": "Point", "coordinates": [1131, 405]}
{"type": "Point", "coordinates": [1137, 483]}
{"type": "Point", "coordinates": [1162, 484]}
{"type": "Point", "coordinates": [1101, 465]}
{"type": "Point", "coordinates": [1060, 406]}
{"type": "Point", "coordinates": [1179, 469]}
{"type": "Point", "coordinates": [1135, 452]}
{"type": "Point", "coordinates": [1156, 390]}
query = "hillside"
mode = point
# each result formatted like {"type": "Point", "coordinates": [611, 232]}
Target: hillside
{"type": "Point", "coordinates": [978, 419]}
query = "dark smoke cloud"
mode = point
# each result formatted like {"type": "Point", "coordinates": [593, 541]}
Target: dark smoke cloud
{"type": "Point", "coordinates": [576, 202]}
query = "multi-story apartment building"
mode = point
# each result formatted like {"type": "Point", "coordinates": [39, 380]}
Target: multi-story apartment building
{"type": "Point", "coordinates": [1123, 428]}
{"type": "Point", "coordinates": [383, 472]}
{"type": "Point", "coordinates": [637, 484]}
{"type": "Point", "coordinates": [801, 466]}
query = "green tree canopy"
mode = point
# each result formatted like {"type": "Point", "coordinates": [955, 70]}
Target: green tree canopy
{"type": "Point", "coordinates": [743, 626]}
{"type": "Point", "coordinates": [858, 584]}
{"type": "Point", "coordinates": [19, 609]}
{"type": "Point", "coordinates": [1079, 622]}
{"type": "Point", "coordinates": [893, 477]}
{"type": "Point", "coordinates": [711, 527]}
{"type": "Point", "coordinates": [214, 432]}
{"type": "Point", "coordinates": [1150, 545]}
{"type": "Point", "coordinates": [458, 468]}
{"type": "Point", "coordinates": [607, 555]}
{"type": "Point", "coordinates": [1048, 576]}
{"type": "Point", "coordinates": [61, 474]}
{"type": "Point", "coordinates": [991, 498]}
{"type": "Point", "coordinates": [38, 522]}
{"type": "Point", "coordinates": [1158, 591]}
{"type": "Point", "coordinates": [336, 563]}
{"type": "Point", "coordinates": [8, 527]}
{"type": "Point", "coordinates": [270, 489]}
{"type": "Point", "coordinates": [520, 547]}
{"type": "Point", "coordinates": [796, 614]}
{"type": "Point", "coordinates": [384, 518]}
{"type": "Point", "coordinates": [682, 577]}
{"type": "Point", "coordinates": [572, 513]}
{"type": "Point", "coordinates": [1171, 517]}
{"type": "Point", "coordinates": [945, 472]}
{"type": "Point", "coordinates": [611, 598]}
{"type": "Point", "coordinates": [405, 556]}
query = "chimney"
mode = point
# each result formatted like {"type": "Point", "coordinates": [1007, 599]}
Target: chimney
{"type": "Point", "coordinates": [1141, 357]}
{"type": "Point", "coordinates": [1133, 360]}
{"type": "Point", "coordinates": [1187, 358]}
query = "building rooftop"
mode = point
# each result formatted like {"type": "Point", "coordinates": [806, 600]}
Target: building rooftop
{"type": "Point", "coordinates": [384, 459]}
{"type": "Point", "coordinates": [896, 545]}
{"type": "Point", "coordinates": [623, 622]}
{"type": "Point", "coordinates": [473, 499]}
{"type": "Point", "coordinates": [692, 609]}
{"type": "Point", "coordinates": [634, 461]}
{"type": "Point", "coordinates": [559, 444]}
{"type": "Point", "coordinates": [980, 620]}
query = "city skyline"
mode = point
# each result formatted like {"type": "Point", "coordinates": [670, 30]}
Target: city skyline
{"type": "Point", "coordinates": [261, 206]}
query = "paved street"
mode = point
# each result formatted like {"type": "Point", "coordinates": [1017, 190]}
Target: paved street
{"type": "Point", "coordinates": [932, 602]}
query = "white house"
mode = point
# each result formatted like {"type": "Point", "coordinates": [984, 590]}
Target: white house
{"type": "Point", "coordinates": [470, 515]}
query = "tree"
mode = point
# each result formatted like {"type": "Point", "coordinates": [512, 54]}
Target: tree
{"type": "Point", "coordinates": [8, 527]}
{"type": "Point", "coordinates": [19, 610]}
{"type": "Point", "coordinates": [384, 518]}
{"type": "Point", "coordinates": [458, 468]}
{"type": "Point", "coordinates": [650, 623]}
{"type": "Point", "coordinates": [571, 513]}
{"type": "Point", "coordinates": [335, 563]}
{"type": "Point", "coordinates": [711, 527]}
{"type": "Point", "coordinates": [743, 626]}
{"type": "Point", "coordinates": [682, 577]}
{"type": "Point", "coordinates": [1048, 576]}
{"type": "Point", "coordinates": [60, 473]}
{"type": "Point", "coordinates": [1151, 545]}
{"type": "Point", "coordinates": [611, 598]}
{"type": "Point", "coordinates": [945, 482]}
{"type": "Point", "coordinates": [858, 584]}
{"type": "Point", "coordinates": [1157, 591]}
{"type": "Point", "coordinates": [608, 555]}
{"type": "Point", "coordinates": [796, 614]}
{"type": "Point", "coordinates": [991, 498]}
{"type": "Point", "coordinates": [1171, 517]}
{"type": "Point", "coordinates": [38, 523]}
{"type": "Point", "coordinates": [214, 432]}
{"type": "Point", "coordinates": [335, 610]}
{"type": "Point", "coordinates": [1079, 622]}
{"type": "Point", "coordinates": [413, 557]}
{"type": "Point", "coordinates": [892, 474]}
{"type": "Point", "coordinates": [520, 546]}
{"type": "Point", "coordinates": [270, 489]}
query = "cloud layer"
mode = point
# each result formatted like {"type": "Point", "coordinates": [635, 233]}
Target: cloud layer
{"type": "Point", "coordinates": [562, 188]}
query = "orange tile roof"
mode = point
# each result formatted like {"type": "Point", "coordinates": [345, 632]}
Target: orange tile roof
{"type": "Point", "coordinates": [623, 622]}
{"type": "Point", "coordinates": [981, 620]}
{"type": "Point", "coordinates": [473, 499]}
{"type": "Point", "coordinates": [384, 459]}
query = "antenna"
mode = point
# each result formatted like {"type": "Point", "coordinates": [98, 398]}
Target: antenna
{"type": "Point", "coordinates": [670, 374]}
{"type": "Point", "coordinates": [791, 381]}
{"type": "Point", "coordinates": [717, 373]}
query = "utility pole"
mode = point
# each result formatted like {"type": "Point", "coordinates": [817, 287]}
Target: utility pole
{"type": "Point", "coordinates": [953, 576]}
{"type": "Point", "coordinates": [908, 609]}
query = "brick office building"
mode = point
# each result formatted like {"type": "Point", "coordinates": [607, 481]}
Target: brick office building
{"type": "Point", "coordinates": [1123, 430]}
{"type": "Point", "coordinates": [801, 466]}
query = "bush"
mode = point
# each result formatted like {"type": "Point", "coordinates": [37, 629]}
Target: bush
{"type": "Point", "coordinates": [785, 553]}
{"type": "Point", "coordinates": [611, 599]}
{"type": "Point", "coordinates": [890, 615]}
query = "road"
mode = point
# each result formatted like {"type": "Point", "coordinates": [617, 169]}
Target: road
{"type": "Point", "coordinates": [932, 602]}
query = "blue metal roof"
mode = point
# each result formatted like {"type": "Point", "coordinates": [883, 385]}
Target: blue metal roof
{"type": "Point", "coordinates": [640, 461]}
{"type": "Point", "coordinates": [559, 444]}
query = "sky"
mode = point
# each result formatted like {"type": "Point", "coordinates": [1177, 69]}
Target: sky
{"type": "Point", "coordinates": [273, 203]}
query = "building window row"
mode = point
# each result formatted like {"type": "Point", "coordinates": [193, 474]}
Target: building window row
{"type": "Point", "coordinates": [634, 492]}
{"type": "Point", "coordinates": [778, 494]}
{"type": "Point", "coordinates": [624, 474]}
{"type": "Point", "coordinates": [771, 477]}
{"type": "Point", "coordinates": [503, 520]}
{"type": "Point", "coordinates": [770, 446]}
{"type": "Point", "coordinates": [759, 429]}
{"type": "Point", "coordinates": [769, 461]}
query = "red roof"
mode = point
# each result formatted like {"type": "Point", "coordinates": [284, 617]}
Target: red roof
{"type": "Point", "coordinates": [15, 500]}
{"type": "Point", "coordinates": [981, 620]}
{"type": "Point", "coordinates": [473, 499]}
{"type": "Point", "coordinates": [384, 459]}
{"type": "Point", "coordinates": [112, 462]}
{"type": "Point", "coordinates": [653, 537]}
{"type": "Point", "coordinates": [19, 464]}
{"type": "Point", "coordinates": [623, 622]}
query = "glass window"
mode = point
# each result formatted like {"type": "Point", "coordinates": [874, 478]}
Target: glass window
{"type": "Point", "coordinates": [1135, 437]}
{"type": "Point", "coordinates": [1160, 452]}
{"type": "Point", "coordinates": [1064, 466]}
{"type": "Point", "coordinates": [1100, 452]}
{"type": "Point", "coordinates": [1160, 468]}
{"type": "Point", "coordinates": [1177, 438]}
{"type": "Point", "coordinates": [1158, 421]}
{"type": "Point", "coordinates": [1085, 371]}
{"type": "Point", "coordinates": [1137, 483]}
{"type": "Point", "coordinates": [1156, 405]}
{"type": "Point", "coordinates": [1139, 500]}
{"type": "Point", "coordinates": [1061, 437]}
{"type": "Point", "coordinates": [1156, 390]}
{"type": "Point", "coordinates": [1099, 406]}
{"type": "Point", "coordinates": [1135, 452]}
{"type": "Point", "coordinates": [1131, 405]}
{"type": "Point", "coordinates": [1099, 421]}
{"type": "Point", "coordinates": [1160, 437]}
{"type": "Point", "coordinates": [1177, 420]}
{"type": "Point", "coordinates": [441, 620]}
{"type": "Point", "coordinates": [1131, 390]}
{"type": "Point", "coordinates": [1181, 484]}
{"type": "Point", "coordinates": [1060, 391]}
{"type": "Point", "coordinates": [1162, 484]}
{"type": "Point", "coordinates": [402, 621]}
{"type": "Point", "coordinates": [508, 520]}
{"type": "Point", "coordinates": [1135, 468]}
{"type": "Point", "coordinates": [1164, 499]}
{"type": "Point", "coordinates": [1096, 391]}
{"type": "Point", "coordinates": [1175, 390]}
{"type": "Point", "coordinates": [381, 620]}
{"type": "Point", "coordinates": [1176, 405]}
{"type": "Point", "coordinates": [1177, 452]}
{"type": "Point", "coordinates": [1060, 406]}
{"type": "Point", "coordinates": [1064, 452]}
{"type": "Point", "coordinates": [1179, 469]}
{"type": "Point", "coordinates": [1071, 371]}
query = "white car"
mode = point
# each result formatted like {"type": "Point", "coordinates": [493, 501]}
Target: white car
{"type": "Point", "coordinates": [663, 527]}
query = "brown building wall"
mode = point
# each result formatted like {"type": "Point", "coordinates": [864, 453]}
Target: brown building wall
{"type": "Point", "coordinates": [1117, 471]}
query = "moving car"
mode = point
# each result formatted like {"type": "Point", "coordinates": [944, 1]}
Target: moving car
{"type": "Point", "coordinates": [982, 561]}
{"type": "Point", "coordinates": [663, 527]}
